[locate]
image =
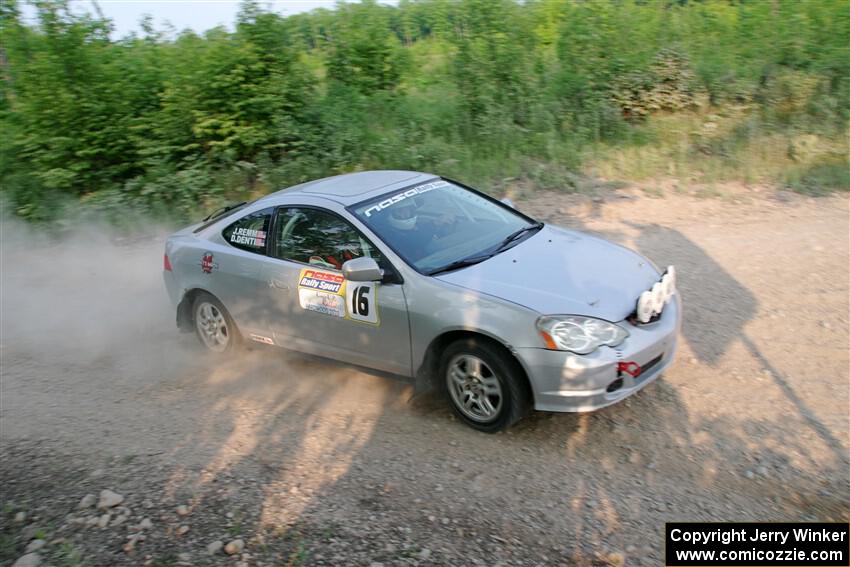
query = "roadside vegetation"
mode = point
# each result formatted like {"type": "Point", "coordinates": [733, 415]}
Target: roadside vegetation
{"type": "Point", "coordinates": [543, 92]}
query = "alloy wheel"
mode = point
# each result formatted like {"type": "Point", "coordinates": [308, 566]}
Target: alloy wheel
{"type": "Point", "coordinates": [474, 388]}
{"type": "Point", "coordinates": [212, 327]}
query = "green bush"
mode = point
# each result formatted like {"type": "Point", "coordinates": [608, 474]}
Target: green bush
{"type": "Point", "coordinates": [821, 179]}
{"type": "Point", "coordinates": [482, 90]}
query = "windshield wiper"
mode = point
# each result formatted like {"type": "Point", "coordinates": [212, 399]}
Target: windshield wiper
{"type": "Point", "coordinates": [462, 263]}
{"type": "Point", "coordinates": [515, 235]}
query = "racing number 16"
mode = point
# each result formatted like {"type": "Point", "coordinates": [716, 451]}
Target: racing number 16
{"type": "Point", "coordinates": [360, 301]}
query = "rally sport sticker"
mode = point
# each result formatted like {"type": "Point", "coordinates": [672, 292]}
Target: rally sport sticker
{"type": "Point", "coordinates": [322, 292]}
{"type": "Point", "coordinates": [328, 293]}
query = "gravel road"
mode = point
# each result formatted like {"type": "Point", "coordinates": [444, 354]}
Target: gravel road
{"type": "Point", "coordinates": [273, 459]}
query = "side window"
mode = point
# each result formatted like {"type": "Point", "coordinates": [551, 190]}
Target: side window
{"type": "Point", "coordinates": [249, 232]}
{"type": "Point", "coordinates": [319, 238]}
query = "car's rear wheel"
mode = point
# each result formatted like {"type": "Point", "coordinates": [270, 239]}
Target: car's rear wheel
{"type": "Point", "coordinates": [485, 386]}
{"type": "Point", "coordinates": [213, 324]}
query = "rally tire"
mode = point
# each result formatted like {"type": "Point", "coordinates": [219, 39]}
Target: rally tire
{"type": "Point", "coordinates": [215, 328]}
{"type": "Point", "coordinates": [485, 386]}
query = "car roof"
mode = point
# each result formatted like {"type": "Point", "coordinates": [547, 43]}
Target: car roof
{"type": "Point", "coordinates": [351, 188]}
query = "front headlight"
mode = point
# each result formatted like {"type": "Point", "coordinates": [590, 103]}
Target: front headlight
{"type": "Point", "coordinates": [581, 335]}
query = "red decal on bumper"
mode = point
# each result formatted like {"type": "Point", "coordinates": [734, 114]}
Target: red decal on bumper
{"type": "Point", "coordinates": [633, 369]}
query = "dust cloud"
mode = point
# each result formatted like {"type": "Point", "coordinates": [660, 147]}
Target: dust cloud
{"type": "Point", "coordinates": [90, 293]}
{"type": "Point", "coordinates": [94, 299]}
{"type": "Point", "coordinates": [91, 358]}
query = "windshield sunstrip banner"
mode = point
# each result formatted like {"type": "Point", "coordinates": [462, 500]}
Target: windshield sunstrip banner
{"type": "Point", "coordinates": [402, 195]}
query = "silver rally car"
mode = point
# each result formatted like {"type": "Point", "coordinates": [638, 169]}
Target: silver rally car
{"type": "Point", "coordinates": [419, 276]}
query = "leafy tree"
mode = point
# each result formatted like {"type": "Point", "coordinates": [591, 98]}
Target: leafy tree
{"type": "Point", "coordinates": [364, 54]}
{"type": "Point", "coordinates": [481, 89]}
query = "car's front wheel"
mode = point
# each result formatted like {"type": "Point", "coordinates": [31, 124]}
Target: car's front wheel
{"type": "Point", "coordinates": [485, 386]}
{"type": "Point", "coordinates": [213, 324]}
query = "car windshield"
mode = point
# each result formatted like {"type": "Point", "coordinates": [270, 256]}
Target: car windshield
{"type": "Point", "coordinates": [439, 225]}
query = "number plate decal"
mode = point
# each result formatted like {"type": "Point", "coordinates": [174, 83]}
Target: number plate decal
{"type": "Point", "coordinates": [361, 302]}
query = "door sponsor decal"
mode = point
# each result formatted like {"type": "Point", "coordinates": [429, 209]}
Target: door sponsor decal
{"type": "Point", "coordinates": [330, 294]}
{"type": "Point", "coordinates": [321, 280]}
{"type": "Point", "coordinates": [322, 292]}
{"type": "Point", "coordinates": [321, 302]}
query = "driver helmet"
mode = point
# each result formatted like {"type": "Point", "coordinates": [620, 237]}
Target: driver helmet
{"type": "Point", "coordinates": [403, 215]}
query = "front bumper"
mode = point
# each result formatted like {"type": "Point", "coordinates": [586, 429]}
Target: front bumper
{"type": "Point", "coordinates": [567, 382]}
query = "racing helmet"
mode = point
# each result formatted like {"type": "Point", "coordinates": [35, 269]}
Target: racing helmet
{"type": "Point", "coordinates": [403, 215]}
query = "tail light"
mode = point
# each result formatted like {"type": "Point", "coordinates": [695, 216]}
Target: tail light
{"type": "Point", "coordinates": [166, 263]}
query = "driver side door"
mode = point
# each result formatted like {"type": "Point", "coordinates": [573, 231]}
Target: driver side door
{"type": "Point", "coordinates": [363, 323]}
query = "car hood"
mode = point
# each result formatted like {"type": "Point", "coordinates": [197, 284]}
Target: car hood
{"type": "Point", "coordinates": [559, 271]}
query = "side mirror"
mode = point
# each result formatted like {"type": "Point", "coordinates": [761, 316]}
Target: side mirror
{"type": "Point", "coordinates": [362, 270]}
{"type": "Point", "coordinates": [508, 202]}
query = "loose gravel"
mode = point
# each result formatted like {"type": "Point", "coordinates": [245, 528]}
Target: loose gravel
{"type": "Point", "coordinates": [122, 443]}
